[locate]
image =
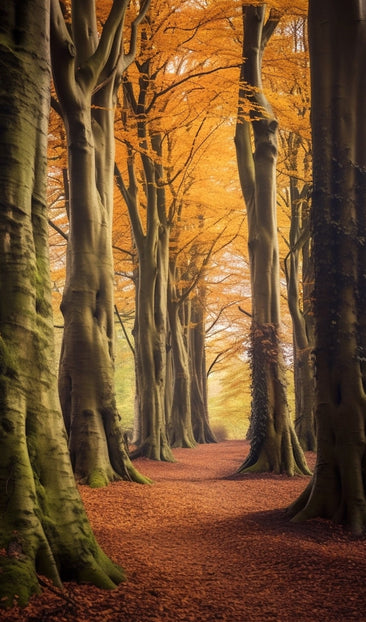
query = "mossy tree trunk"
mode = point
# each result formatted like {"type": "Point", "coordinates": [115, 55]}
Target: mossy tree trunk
{"type": "Point", "coordinates": [337, 37]}
{"type": "Point", "coordinates": [274, 445]}
{"type": "Point", "coordinates": [43, 526]}
{"type": "Point", "coordinates": [87, 71]}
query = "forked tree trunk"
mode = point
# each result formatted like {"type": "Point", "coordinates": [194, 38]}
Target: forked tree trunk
{"type": "Point", "coordinates": [150, 329]}
{"type": "Point", "coordinates": [43, 526]}
{"type": "Point", "coordinates": [86, 375]}
{"type": "Point", "coordinates": [337, 37]}
{"type": "Point", "coordinates": [274, 445]}
{"type": "Point", "coordinates": [151, 232]}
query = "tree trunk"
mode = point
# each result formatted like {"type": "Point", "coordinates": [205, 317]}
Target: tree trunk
{"type": "Point", "coordinates": [304, 383]}
{"type": "Point", "coordinates": [43, 526]}
{"type": "Point", "coordinates": [150, 330]}
{"type": "Point", "coordinates": [86, 375]}
{"type": "Point", "coordinates": [180, 421]}
{"type": "Point", "coordinates": [150, 348]}
{"type": "Point", "coordinates": [338, 37]}
{"type": "Point", "coordinates": [200, 417]}
{"type": "Point", "coordinates": [151, 232]}
{"type": "Point", "coordinates": [274, 445]}
{"type": "Point", "coordinates": [302, 336]}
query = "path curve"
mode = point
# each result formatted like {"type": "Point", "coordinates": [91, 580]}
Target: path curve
{"type": "Point", "coordinates": [201, 546]}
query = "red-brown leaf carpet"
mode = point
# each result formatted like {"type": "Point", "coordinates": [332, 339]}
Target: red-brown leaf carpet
{"type": "Point", "coordinates": [200, 546]}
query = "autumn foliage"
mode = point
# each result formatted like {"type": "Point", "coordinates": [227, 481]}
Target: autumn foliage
{"type": "Point", "coordinates": [193, 57]}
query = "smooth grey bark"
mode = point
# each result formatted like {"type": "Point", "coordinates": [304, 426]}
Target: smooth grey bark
{"type": "Point", "coordinates": [151, 232]}
{"type": "Point", "coordinates": [87, 71]}
{"type": "Point", "coordinates": [299, 241]}
{"type": "Point", "coordinates": [197, 356]}
{"type": "Point", "coordinates": [44, 529]}
{"type": "Point", "coordinates": [274, 445]}
{"type": "Point", "coordinates": [180, 419]}
{"type": "Point", "coordinates": [150, 331]}
{"type": "Point", "coordinates": [337, 35]}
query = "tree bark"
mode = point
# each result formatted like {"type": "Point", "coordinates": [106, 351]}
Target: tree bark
{"type": "Point", "coordinates": [43, 526]}
{"type": "Point", "coordinates": [87, 71]}
{"type": "Point", "coordinates": [274, 445]}
{"type": "Point", "coordinates": [338, 37]}
{"type": "Point", "coordinates": [151, 231]}
{"type": "Point", "coordinates": [197, 355]}
{"type": "Point", "coordinates": [150, 347]}
{"type": "Point", "coordinates": [180, 420]}
{"type": "Point", "coordinates": [302, 334]}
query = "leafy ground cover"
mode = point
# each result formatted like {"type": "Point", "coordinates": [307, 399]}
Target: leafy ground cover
{"type": "Point", "coordinates": [202, 546]}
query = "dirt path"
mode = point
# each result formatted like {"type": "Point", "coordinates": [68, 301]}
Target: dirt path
{"type": "Point", "coordinates": [201, 547]}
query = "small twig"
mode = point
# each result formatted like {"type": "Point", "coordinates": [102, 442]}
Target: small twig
{"type": "Point", "coordinates": [59, 592]}
{"type": "Point", "coordinates": [245, 312]}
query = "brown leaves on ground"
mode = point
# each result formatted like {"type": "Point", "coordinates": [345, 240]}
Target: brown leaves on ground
{"type": "Point", "coordinates": [200, 546]}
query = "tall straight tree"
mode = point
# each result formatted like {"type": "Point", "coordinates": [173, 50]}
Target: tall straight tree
{"type": "Point", "coordinates": [300, 255]}
{"type": "Point", "coordinates": [296, 171]}
{"type": "Point", "coordinates": [43, 526]}
{"type": "Point", "coordinates": [274, 445]}
{"type": "Point", "coordinates": [87, 70]}
{"type": "Point", "coordinates": [337, 34]}
{"type": "Point", "coordinates": [180, 421]}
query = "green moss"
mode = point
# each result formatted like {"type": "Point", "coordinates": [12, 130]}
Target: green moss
{"type": "Point", "coordinates": [101, 572]}
{"type": "Point", "coordinates": [8, 362]}
{"type": "Point", "coordinates": [98, 479]}
{"type": "Point", "coordinates": [18, 581]}
{"type": "Point", "coordinates": [136, 476]}
{"type": "Point", "coordinates": [42, 306]}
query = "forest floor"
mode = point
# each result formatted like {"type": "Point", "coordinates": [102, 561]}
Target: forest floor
{"type": "Point", "coordinates": [202, 546]}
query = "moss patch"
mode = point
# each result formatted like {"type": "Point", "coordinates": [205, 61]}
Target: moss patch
{"type": "Point", "coordinates": [8, 362]}
{"type": "Point", "coordinates": [98, 479]}
{"type": "Point", "coordinates": [18, 581]}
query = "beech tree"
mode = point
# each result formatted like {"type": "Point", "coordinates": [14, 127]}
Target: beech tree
{"type": "Point", "coordinates": [293, 196]}
{"type": "Point", "coordinates": [274, 445]}
{"type": "Point", "coordinates": [151, 236]}
{"type": "Point", "coordinates": [180, 417]}
{"type": "Point", "coordinates": [150, 118]}
{"type": "Point", "coordinates": [298, 266]}
{"type": "Point", "coordinates": [87, 71]}
{"type": "Point", "coordinates": [337, 36]}
{"type": "Point", "coordinates": [44, 529]}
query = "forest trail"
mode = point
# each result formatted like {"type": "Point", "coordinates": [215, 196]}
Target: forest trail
{"type": "Point", "coordinates": [202, 546]}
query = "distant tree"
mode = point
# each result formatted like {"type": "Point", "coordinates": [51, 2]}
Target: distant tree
{"type": "Point", "coordinates": [196, 337]}
{"type": "Point", "coordinates": [337, 35]}
{"type": "Point", "coordinates": [87, 70]}
{"type": "Point", "coordinates": [186, 302]}
{"type": "Point", "coordinates": [199, 392]}
{"type": "Point", "coordinates": [151, 232]}
{"type": "Point", "coordinates": [293, 194]}
{"type": "Point", "coordinates": [274, 445]}
{"type": "Point", "coordinates": [151, 116]}
{"type": "Point", "coordinates": [299, 278]}
{"type": "Point", "coordinates": [43, 526]}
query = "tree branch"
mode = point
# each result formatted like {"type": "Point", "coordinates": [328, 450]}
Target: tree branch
{"type": "Point", "coordinates": [124, 330]}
